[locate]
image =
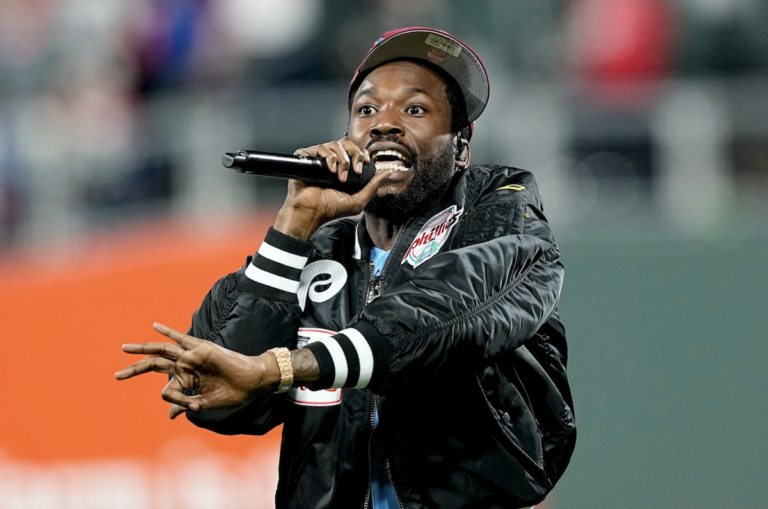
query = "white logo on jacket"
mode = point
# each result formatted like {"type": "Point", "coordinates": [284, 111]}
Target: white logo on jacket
{"type": "Point", "coordinates": [323, 289]}
{"type": "Point", "coordinates": [432, 236]}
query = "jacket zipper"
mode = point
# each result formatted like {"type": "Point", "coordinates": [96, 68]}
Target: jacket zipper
{"type": "Point", "coordinates": [369, 298]}
{"type": "Point", "coordinates": [394, 244]}
{"type": "Point", "coordinates": [389, 474]}
{"type": "Point", "coordinates": [369, 496]}
{"type": "Point", "coordinates": [374, 291]}
{"type": "Point", "coordinates": [371, 281]}
{"type": "Point", "coordinates": [369, 493]}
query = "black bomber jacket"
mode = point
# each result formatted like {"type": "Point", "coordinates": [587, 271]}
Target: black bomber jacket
{"type": "Point", "coordinates": [458, 345]}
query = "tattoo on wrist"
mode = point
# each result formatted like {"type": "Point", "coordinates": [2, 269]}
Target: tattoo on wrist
{"type": "Point", "coordinates": [298, 233]}
{"type": "Point", "coordinates": [305, 368]}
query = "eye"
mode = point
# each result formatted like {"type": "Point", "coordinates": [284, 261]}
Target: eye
{"type": "Point", "coordinates": [415, 110]}
{"type": "Point", "coordinates": [366, 110]}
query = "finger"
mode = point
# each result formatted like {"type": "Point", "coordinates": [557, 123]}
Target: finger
{"type": "Point", "coordinates": [365, 194]}
{"type": "Point", "coordinates": [187, 342]}
{"type": "Point", "coordinates": [359, 156]}
{"type": "Point", "coordinates": [175, 411]}
{"type": "Point", "coordinates": [343, 158]}
{"type": "Point", "coordinates": [309, 151]}
{"type": "Point", "coordinates": [172, 393]}
{"type": "Point", "coordinates": [156, 364]}
{"type": "Point", "coordinates": [331, 158]}
{"type": "Point", "coordinates": [167, 350]}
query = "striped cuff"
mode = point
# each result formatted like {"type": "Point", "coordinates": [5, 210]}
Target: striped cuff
{"type": "Point", "coordinates": [357, 357]}
{"type": "Point", "coordinates": [275, 270]}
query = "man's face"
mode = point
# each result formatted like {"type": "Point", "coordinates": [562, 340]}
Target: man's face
{"type": "Point", "coordinates": [402, 116]}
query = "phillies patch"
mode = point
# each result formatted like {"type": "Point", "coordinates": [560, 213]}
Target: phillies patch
{"type": "Point", "coordinates": [432, 236]}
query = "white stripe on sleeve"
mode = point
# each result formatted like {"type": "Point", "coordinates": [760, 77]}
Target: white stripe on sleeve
{"type": "Point", "coordinates": [339, 362]}
{"type": "Point", "coordinates": [282, 257]}
{"type": "Point", "coordinates": [266, 278]}
{"type": "Point", "coordinates": [364, 353]}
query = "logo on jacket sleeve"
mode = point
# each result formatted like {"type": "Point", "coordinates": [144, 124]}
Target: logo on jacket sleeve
{"type": "Point", "coordinates": [432, 236]}
{"type": "Point", "coordinates": [320, 281]}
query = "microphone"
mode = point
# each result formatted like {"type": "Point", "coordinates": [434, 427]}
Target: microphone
{"type": "Point", "coordinates": [312, 170]}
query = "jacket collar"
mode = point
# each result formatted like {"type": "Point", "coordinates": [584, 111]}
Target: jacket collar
{"type": "Point", "coordinates": [363, 242]}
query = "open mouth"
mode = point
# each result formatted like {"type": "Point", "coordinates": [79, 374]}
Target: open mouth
{"type": "Point", "coordinates": [391, 160]}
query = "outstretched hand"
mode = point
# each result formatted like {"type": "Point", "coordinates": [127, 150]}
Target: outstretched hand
{"type": "Point", "coordinates": [220, 377]}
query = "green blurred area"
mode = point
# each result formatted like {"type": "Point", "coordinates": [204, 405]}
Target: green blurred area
{"type": "Point", "coordinates": [667, 361]}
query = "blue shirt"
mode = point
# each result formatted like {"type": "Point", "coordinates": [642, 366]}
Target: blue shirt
{"type": "Point", "coordinates": [378, 259]}
{"type": "Point", "coordinates": [382, 492]}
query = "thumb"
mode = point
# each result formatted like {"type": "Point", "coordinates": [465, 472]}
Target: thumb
{"type": "Point", "coordinates": [365, 194]}
{"type": "Point", "coordinates": [175, 411]}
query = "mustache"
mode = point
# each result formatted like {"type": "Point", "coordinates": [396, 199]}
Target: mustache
{"type": "Point", "coordinates": [393, 138]}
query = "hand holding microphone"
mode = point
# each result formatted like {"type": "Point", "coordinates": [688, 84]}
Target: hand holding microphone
{"type": "Point", "coordinates": [339, 165]}
{"type": "Point", "coordinates": [328, 181]}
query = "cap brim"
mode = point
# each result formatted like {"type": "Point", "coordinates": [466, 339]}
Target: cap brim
{"type": "Point", "coordinates": [444, 51]}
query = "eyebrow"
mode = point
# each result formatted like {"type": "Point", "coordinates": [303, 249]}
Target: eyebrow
{"type": "Point", "coordinates": [409, 90]}
{"type": "Point", "coordinates": [367, 91]}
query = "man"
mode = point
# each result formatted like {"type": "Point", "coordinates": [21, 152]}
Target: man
{"type": "Point", "coordinates": [429, 369]}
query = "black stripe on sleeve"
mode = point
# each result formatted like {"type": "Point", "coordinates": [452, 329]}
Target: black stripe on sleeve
{"type": "Point", "coordinates": [382, 352]}
{"type": "Point", "coordinates": [282, 241]}
{"type": "Point", "coordinates": [246, 285]}
{"type": "Point", "coordinates": [353, 360]}
{"type": "Point", "coordinates": [278, 269]}
{"type": "Point", "coordinates": [325, 363]}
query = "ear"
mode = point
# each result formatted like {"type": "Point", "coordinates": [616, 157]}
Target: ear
{"type": "Point", "coordinates": [463, 153]}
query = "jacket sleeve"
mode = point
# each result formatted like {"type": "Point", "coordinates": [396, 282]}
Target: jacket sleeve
{"type": "Point", "coordinates": [458, 310]}
{"type": "Point", "coordinates": [251, 311]}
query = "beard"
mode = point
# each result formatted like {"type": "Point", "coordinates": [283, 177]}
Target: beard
{"type": "Point", "coordinates": [430, 179]}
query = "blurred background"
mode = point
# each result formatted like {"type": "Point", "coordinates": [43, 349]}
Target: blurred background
{"type": "Point", "coordinates": [644, 121]}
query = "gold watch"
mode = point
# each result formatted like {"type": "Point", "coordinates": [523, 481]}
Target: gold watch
{"type": "Point", "coordinates": [283, 358]}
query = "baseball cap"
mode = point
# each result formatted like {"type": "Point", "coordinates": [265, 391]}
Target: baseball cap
{"type": "Point", "coordinates": [439, 49]}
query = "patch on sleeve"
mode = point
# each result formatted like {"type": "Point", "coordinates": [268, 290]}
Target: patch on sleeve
{"type": "Point", "coordinates": [306, 397]}
{"type": "Point", "coordinates": [432, 236]}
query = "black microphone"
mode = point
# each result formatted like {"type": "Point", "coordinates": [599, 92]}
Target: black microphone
{"type": "Point", "coordinates": [313, 170]}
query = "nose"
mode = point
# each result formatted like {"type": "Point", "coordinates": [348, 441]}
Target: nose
{"type": "Point", "coordinates": [387, 122]}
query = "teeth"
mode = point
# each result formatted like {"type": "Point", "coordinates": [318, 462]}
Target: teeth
{"type": "Point", "coordinates": [390, 166]}
{"type": "Point", "coordinates": [393, 153]}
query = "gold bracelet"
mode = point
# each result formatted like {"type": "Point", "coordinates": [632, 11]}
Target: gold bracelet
{"type": "Point", "coordinates": [283, 358]}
